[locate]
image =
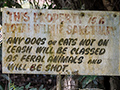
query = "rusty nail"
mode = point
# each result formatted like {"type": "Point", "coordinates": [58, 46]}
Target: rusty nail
{"type": "Point", "coordinates": [40, 14]}
{"type": "Point", "coordinates": [115, 15]}
{"type": "Point", "coordinates": [8, 12]}
{"type": "Point", "coordinates": [82, 14]}
{"type": "Point", "coordinates": [62, 22]}
{"type": "Point", "coordinates": [13, 31]}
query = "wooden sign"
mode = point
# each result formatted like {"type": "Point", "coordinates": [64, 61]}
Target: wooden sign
{"type": "Point", "coordinates": [60, 42]}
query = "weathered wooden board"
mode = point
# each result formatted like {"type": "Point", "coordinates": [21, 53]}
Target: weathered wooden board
{"type": "Point", "coordinates": [61, 42]}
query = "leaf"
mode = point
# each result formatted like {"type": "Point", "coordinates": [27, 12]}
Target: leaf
{"type": "Point", "coordinates": [27, 86]}
{"type": "Point", "coordinates": [6, 77]}
{"type": "Point", "coordinates": [80, 78]}
{"type": "Point", "coordinates": [50, 7]}
{"type": "Point", "coordinates": [11, 88]}
{"type": "Point", "coordinates": [44, 6]}
{"type": "Point", "coordinates": [41, 87]}
{"type": "Point", "coordinates": [87, 80]}
{"type": "Point", "coordinates": [18, 5]}
{"type": "Point", "coordinates": [1, 88]}
{"type": "Point", "coordinates": [20, 88]}
{"type": "Point", "coordinates": [33, 89]}
{"type": "Point", "coordinates": [65, 8]}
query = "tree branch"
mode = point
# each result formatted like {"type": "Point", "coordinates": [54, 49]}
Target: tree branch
{"type": "Point", "coordinates": [108, 5]}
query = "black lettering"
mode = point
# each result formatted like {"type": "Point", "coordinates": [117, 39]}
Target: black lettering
{"type": "Point", "coordinates": [28, 58]}
{"type": "Point", "coordinates": [18, 49]}
{"type": "Point", "coordinates": [103, 42]}
{"type": "Point", "coordinates": [8, 49]}
{"type": "Point", "coordinates": [33, 58]}
{"type": "Point", "coordinates": [39, 58]}
{"type": "Point", "coordinates": [11, 66]}
{"type": "Point", "coordinates": [39, 49]}
{"type": "Point", "coordinates": [26, 49]}
{"type": "Point", "coordinates": [82, 51]}
{"type": "Point", "coordinates": [58, 68]}
{"type": "Point", "coordinates": [9, 41]}
{"type": "Point", "coordinates": [82, 42]}
{"type": "Point", "coordinates": [99, 61]}
{"type": "Point", "coordinates": [24, 68]}
{"type": "Point", "coordinates": [43, 41]}
{"type": "Point", "coordinates": [20, 67]}
{"type": "Point", "coordinates": [87, 51]}
{"type": "Point", "coordinates": [38, 41]}
{"type": "Point", "coordinates": [64, 67]}
{"type": "Point", "coordinates": [60, 41]}
{"type": "Point", "coordinates": [27, 41]}
{"type": "Point", "coordinates": [13, 49]}
{"type": "Point", "coordinates": [33, 41]}
{"type": "Point", "coordinates": [74, 51]}
{"type": "Point", "coordinates": [55, 59]}
{"type": "Point", "coordinates": [89, 62]}
{"type": "Point", "coordinates": [45, 50]}
{"type": "Point", "coordinates": [94, 61]}
{"type": "Point", "coordinates": [67, 41]}
{"type": "Point", "coordinates": [32, 68]}
{"type": "Point", "coordinates": [64, 59]}
{"type": "Point", "coordinates": [87, 42]}
{"type": "Point", "coordinates": [11, 58]}
{"type": "Point", "coordinates": [102, 51]}
{"type": "Point", "coordinates": [23, 57]}
{"type": "Point", "coordinates": [39, 67]}
{"type": "Point", "coordinates": [72, 59]}
{"type": "Point", "coordinates": [48, 67]}
{"type": "Point", "coordinates": [15, 40]}
{"type": "Point", "coordinates": [92, 51]}
{"type": "Point", "coordinates": [97, 50]}
{"type": "Point", "coordinates": [53, 67]}
{"type": "Point", "coordinates": [17, 67]}
{"type": "Point", "coordinates": [15, 57]}
{"type": "Point", "coordinates": [80, 59]}
{"type": "Point", "coordinates": [61, 50]}
{"type": "Point", "coordinates": [50, 59]}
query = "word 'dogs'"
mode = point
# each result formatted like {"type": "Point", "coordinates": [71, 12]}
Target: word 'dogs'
{"type": "Point", "coordinates": [60, 42]}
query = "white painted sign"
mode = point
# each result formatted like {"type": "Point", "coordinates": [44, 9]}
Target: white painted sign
{"type": "Point", "coordinates": [60, 42]}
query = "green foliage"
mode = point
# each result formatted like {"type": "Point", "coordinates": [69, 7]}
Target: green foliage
{"type": "Point", "coordinates": [9, 3]}
{"type": "Point", "coordinates": [41, 88]}
{"type": "Point", "coordinates": [14, 87]}
{"type": "Point", "coordinates": [6, 77]}
{"type": "Point", "coordinates": [19, 88]}
{"type": "Point", "coordinates": [1, 88]}
{"type": "Point", "coordinates": [85, 80]}
{"type": "Point", "coordinates": [33, 89]}
{"type": "Point", "coordinates": [28, 86]}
